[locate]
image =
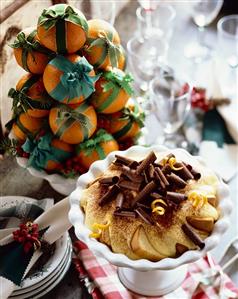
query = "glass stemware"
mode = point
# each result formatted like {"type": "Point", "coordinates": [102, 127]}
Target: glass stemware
{"type": "Point", "coordinates": [170, 100]}
{"type": "Point", "coordinates": [159, 20]}
{"type": "Point", "coordinates": [227, 29]}
{"type": "Point", "coordinates": [145, 56]}
{"type": "Point", "coordinates": [227, 55]}
{"type": "Point", "coordinates": [203, 13]}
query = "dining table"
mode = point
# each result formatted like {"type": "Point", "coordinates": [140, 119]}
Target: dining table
{"type": "Point", "coordinates": [15, 180]}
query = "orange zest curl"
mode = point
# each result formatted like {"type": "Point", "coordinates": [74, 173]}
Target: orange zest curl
{"type": "Point", "coordinates": [99, 227]}
{"type": "Point", "coordinates": [158, 209]}
{"type": "Point", "coordinates": [172, 161]}
{"type": "Point", "coordinates": [198, 200]}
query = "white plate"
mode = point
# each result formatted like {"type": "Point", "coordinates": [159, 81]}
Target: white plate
{"type": "Point", "coordinates": [50, 266]}
{"type": "Point", "coordinates": [49, 277]}
{"type": "Point", "coordinates": [45, 288]}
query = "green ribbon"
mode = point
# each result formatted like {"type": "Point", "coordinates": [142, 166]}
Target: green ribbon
{"type": "Point", "coordinates": [109, 49]}
{"type": "Point", "coordinates": [67, 117]}
{"type": "Point", "coordinates": [61, 37]}
{"type": "Point", "coordinates": [53, 14]}
{"type": "Point", "coordinates": [28, 44]}
{"type": "Point", "coordinates": [116, 80]}
{"type": "Point", "coordinates": [75, 80]}
{"type": "Point", "coordinates": [21, 99]}
{"type": "Point", "coordinates": [95, 144]}
{"type": "Point", "coordinates": [131, 116]}
{"type": "Point", "coordinates": [41, 151]}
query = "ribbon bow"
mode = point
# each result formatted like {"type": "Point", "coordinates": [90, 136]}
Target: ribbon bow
{"type": "Point", "coordinates": [20, 99]}
{"type": "Point", "coordinates": [118, 79]}
{"type": "Point", "coordinates": [52, 15]}
{"type": "Point", "coordinates": [67, 116]}
{"type": "Point", "coordinates": [109, 48]}
{"type": "Point", "coordinates": [75, 80]}
{"type": "Point", "coordinates": [41, 151]}
{"type": "Point", "coordinates": [134, 115]}
{"type": "Point", "coordinates": [94, 144]}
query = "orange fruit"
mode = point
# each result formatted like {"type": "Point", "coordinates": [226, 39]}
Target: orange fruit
{"type": "Point", "coordinates": [66, 149]}
{"type": "Point", "coordinates": [31, 88]}
{"type": "Point", "coordinates": [113, 90]}
{"type": "Point", "coordinates": [73, 124]}
{"type": "Point", "coordinates": [103, 47]}
{"type": "Point", "coordinates": [62, 29]}
{"type": "Point", "coordinates": [29, 54]}
{"type": "Point", "coordinates": [103, 144]}
{"type": "Point", "coordinates": [125, 124]}
{"type": "Point", "coordinates": [65, 79]}
{"type": "Point", "coordinates": [26, 125]}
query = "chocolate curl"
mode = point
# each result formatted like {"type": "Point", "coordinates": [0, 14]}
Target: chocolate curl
{"type": "Point", "coordinates": [175, 197]}
{"type": "Point", "coordinates": [109, 180]}
{"type": "Point", "coordinates": [133, 164]}
{"type": "Point", "coordinates": [176, 180]}
{"type": "Point", "coordinates": [146, 176]}
{"type": "Point", "coordinates": [119, 201]}
{"type": "Point", "coordinates": [141, 205]}
{"type": "Point", "coordinates": [146, 162]}
{"type": "Point", "coordinates": [159, 180]}
{"type": "Point", "coordinates": [155, 195]}
{"type": "Point", "coordinates": [123, 160]}
{"type": "Point", "coordinates": [144, 192]}
{"type": "Point", "coordinates": [110, 195]}
{"type": "Point", "coordinates": [129, 185]}
{"type": "Point", "coordinates": [162, 176]}
{"type": "Point", "coordinates": [193, 236]}
{"type": "Point", "coordinates": [196, 174]}
{"type": "Point", "coordinates": [151, 171]}
{"type": "Point", "coordinates": [144, 216]}
{"type": "Point", "coordinates": [184, 173]}
{"type": "Point", "coordinates": [131, 174]}
{"type": "Point", "coordinates": [166, 169]}
{"type": "Point", "coordinates": [124, 213]}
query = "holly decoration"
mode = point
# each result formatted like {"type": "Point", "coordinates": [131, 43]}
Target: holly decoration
{"type": "Point", "coordinates": [71, 168]}
{"type": "Point", "coordinates": [28, 235]}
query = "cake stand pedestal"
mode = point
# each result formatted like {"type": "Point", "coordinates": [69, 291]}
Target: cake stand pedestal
{"type": "Point", "coordinates": [152, 283]}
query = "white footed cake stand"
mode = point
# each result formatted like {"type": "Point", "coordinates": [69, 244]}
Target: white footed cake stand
{"type": "Point", "coordinates": [143, 276]}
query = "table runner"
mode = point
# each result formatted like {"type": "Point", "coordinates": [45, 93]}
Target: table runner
{"type": "Point", "coordinates": [101, 280]}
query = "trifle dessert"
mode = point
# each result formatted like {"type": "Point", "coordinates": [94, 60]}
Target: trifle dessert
{"type": "Point", "coordinates": [152, 207]}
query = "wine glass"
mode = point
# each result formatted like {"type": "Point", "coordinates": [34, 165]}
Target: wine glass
{"type": "Point", "coordinates": [203, 13]}
{"type": "Point", "coordinates": [145, 56]}
{"type": "Point", "coordinates": [227, 58]}
{"type": "Point", "coordinates": [170, 100]}
{"type": "Point", "coordinates": [227, 29]}
{"type": "Point", "coordinates": [160, 20]}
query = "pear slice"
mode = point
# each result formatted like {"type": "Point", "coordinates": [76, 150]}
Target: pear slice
{"type": "Point", "coordinates": [180, 249]}
{"type": "Point", "coordinates": [141, 246]}
{"type": "Point", "coordinates": [212, 200]}
{"type": "Point", "coordinates": [201, 223]}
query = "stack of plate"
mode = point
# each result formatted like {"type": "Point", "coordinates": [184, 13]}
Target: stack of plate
{"type": "Point", "coordinates": [38, 284]}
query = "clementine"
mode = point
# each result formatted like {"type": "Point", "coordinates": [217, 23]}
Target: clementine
{"type": "Point", "coordinates": [62, 28]}
{"type": "Point", "coordinates": [73, 124]}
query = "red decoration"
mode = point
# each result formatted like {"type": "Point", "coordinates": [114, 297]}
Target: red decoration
{"type": "Point", "coordinates": [199, 99]}
{"type": "Point", "coordinates": [28, 235]}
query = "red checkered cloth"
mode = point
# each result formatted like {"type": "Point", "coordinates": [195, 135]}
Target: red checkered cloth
{"type": "Point", "coordinates": [100, 278]}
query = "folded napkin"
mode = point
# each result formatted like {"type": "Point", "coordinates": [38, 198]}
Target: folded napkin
{"type": "Point", "coordinates": [52, 224]}
{"type": "Point", "coordinates": [101, 280]}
